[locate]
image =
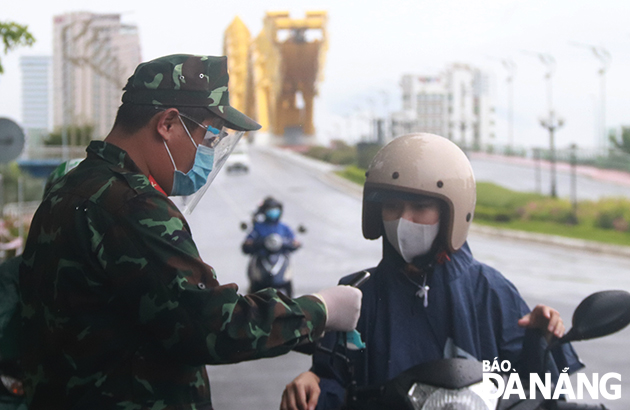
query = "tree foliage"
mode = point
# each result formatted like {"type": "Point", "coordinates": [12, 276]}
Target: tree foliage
{"type": "Point", "coordinates": [11, 172]}
{"type": "Point", "coordinates": [14, 35]}
{"type": "Point", "coordinates": [622, 143]}
{"type": "Point", "coordinates": [339, 153]}
{"type": "Point", "coordinates": [79, 135]}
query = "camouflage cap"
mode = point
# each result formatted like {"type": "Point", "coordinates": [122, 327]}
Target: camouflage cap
{"type": "Point", "coordinates": [184, 80]}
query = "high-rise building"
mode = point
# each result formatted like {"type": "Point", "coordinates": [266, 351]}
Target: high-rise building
{"type": "Point", "coordinates": [454, 104]}
{"type": "Point", "coordinates": [36, 81]}
{"type": "Point", "coordinates": [93, 56]}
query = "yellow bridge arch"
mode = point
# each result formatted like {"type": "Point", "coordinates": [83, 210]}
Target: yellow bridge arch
{"type": "Point", "coordinates": [274, 77]}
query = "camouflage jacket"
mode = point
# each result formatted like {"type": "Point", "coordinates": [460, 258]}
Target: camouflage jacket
{"type": "Point", "coordinates": [118, 309]}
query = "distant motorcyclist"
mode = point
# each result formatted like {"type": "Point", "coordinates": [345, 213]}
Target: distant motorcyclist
{"type": "Point", "coordinates": [269, 237]}
{"type": "Point", "coordinates": [428, 298]}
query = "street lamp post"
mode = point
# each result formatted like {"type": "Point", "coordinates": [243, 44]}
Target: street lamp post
{"type": "Point", "coordinates": [604, 58]}
{"type": "Point", "coordinates": [386, 116]}
{"type": "Point", "coordinates": [550, 63]}
{"type": "Point", "coordinates": [552, 124]}
{"type": "Point", "coordinates": [537, 176]}
{"type": "Point", "coordinates": [574, 181]}
{"type": "Point", "coordinates": [510, 66]}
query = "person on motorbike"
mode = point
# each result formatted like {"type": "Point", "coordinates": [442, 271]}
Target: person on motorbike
{"type": "Point", "coordinates": [428, 298]}
{"type": "Point", "coordinates": [261, 240]}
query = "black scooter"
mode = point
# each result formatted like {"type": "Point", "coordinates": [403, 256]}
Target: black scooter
{"type": "Point", "coordinates": [268, 265]}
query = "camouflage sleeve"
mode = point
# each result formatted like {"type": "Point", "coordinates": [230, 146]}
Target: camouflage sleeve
{"type": "Point", "coordinates": [9, 345]}
{"type": "Point", "coordinates": [155, 270]}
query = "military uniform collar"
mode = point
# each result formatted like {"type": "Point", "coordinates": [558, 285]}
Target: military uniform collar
{"type": "Point", "coordinates": [123, 165]}
{"type": "Point", "coordinates": [113, 154]}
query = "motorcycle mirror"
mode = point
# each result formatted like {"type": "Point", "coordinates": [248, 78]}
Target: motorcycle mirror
{"type": "Point", "coordinates": [600, 314]}
{"type": "Point", "coordinates": [301, 229]}
{"type": "Point", "coordinates": [243, 226]}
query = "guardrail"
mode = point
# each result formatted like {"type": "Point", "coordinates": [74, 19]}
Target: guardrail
{"type": "Point", "coordinates": [54, 151]}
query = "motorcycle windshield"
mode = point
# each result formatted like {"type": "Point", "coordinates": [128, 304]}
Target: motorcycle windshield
{"type": "Point", "coordinates": [223, 147]}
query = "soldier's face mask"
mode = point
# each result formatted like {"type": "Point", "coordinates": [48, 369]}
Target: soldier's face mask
{"type": "Point", "coordinates": [216, 147]}
{"type": "Point", "coordinates": [192, 181]}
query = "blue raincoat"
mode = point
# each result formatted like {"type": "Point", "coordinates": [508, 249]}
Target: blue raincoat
{"type": "Point", "coordinates": [262, 230]}
{"type": "Point", "coordinates": [470, 310]}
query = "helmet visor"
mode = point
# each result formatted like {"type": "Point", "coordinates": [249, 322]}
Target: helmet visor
{"type": "Point", "coordinates": [384, 195]}
{"type": "Point", "coordinates": [223, 144]}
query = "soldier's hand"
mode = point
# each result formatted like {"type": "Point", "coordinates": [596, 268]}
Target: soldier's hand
{"type": "Point", "coordinates": [302, 393]}
{"type": "Point", "coordinates": [343, 307]}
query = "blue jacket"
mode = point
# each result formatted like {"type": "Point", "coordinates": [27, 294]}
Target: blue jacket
{"type": "Point", "coordinates": [262, 230]}
{"type": "Point", "coordinates": [472, 312]}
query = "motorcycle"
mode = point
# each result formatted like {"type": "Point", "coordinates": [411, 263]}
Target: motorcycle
{"type": "Point", "coordinates": [463, 384]}
{"type": "Point", "coordinates": [268, 265]}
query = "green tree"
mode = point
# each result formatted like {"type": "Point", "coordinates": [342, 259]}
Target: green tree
{"type": "Point", "coordinates": [11, 172]}
{"type": "Point", "coordinates": [79, 135]}
{"type": "Point", "coordinates": [14, 35]}
{"type": "Point", "coordinates": [622, 143]}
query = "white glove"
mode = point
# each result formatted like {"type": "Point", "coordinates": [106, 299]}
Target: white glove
{"type": "Point", "coordinates": [343, 307]}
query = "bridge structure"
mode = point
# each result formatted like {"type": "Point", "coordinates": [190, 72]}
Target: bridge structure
{"type": "Point", "coordinates": [274, 77]}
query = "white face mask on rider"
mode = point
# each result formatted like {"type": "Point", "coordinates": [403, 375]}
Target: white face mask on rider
{"type": "Point", "coordinates": [410, 239]}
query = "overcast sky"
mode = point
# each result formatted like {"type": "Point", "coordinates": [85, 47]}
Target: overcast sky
{"type": "Point", "coordinates": [372, 43]}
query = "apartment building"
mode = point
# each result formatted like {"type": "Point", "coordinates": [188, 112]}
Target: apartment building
{"type": "Point", "coordinates": [455, 104]}
{"type": "Point", "coordinates": [93, 55]}
{"type": "Point", "coordinates": [35, 88]}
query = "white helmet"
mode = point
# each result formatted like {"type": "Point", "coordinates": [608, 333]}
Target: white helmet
{"type": "Point", "coordinates": [422, 164]}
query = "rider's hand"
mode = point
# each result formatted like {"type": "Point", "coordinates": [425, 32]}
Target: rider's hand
{"type": "Point", "coordinates": [546, 319]}
{"type": "Point", "coordinates": [302, 393]}
{"type": "Point", "coordinates": [248, 246]}
{"type": "Point", "coordinates": [343, 307]}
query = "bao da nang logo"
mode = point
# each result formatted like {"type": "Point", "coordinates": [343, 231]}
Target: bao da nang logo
{"type": "Point", "coordinates": [608, 385]}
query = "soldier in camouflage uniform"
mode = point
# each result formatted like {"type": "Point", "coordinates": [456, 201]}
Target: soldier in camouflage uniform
{"type": "Point", "coordinates": [118, 309]}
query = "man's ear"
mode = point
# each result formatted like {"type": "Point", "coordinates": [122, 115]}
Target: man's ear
{"type": "Point", "coordinates": [166, 123]}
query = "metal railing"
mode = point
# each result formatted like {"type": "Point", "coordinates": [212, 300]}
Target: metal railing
{"type": "Point", "coordinates": [602, 157]}
{"type": "Point", "coordinates": [54, 151]}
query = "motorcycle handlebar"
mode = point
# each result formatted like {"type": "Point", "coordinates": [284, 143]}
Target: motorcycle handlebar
{"type": "Point", "coordinates": [359, 279]}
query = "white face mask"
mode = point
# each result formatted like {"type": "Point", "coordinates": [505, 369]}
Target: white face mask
{"type": "Point", "coordinates": [410, 239]}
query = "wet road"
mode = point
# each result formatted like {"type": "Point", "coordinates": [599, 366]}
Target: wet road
{"type": "Point", "coordinates": [523, 175]}
{"type": "Point", "coordinates": [334, 246]}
